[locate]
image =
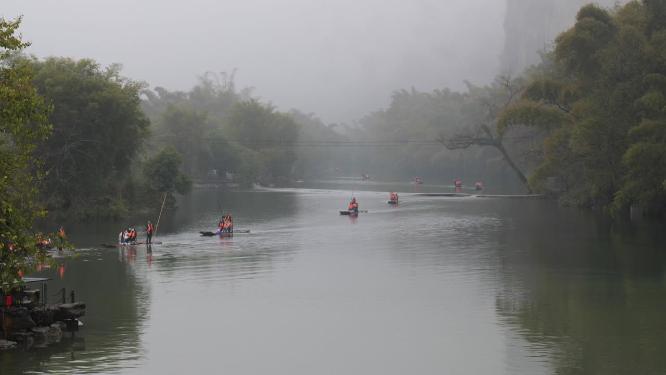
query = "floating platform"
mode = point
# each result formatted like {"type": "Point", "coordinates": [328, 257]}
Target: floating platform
{"type": "Point", "coordinates": [224, 234]}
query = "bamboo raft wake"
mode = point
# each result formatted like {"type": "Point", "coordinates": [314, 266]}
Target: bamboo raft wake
{"type": "Point", "coordinates": [211, 234]}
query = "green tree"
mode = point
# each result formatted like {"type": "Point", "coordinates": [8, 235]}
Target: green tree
{"type": "Point", "coordinates": [269, 134]}
{"type": "Point", "coordinates": [23, 125]}
{"type": "Point", "coordinates": [187, 131]}
{"type": "Point", "coordinates": [98, 129]}
{"type": "Point", "coordinates": [491, 132]}
{"type": "Point", "coordinates": [603, 99]}
{"type": "Point", "coordinates": [163, 175]}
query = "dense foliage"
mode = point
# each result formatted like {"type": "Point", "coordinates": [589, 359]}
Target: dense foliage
{"type": "Point", "coordinates": [163, 175]}
{"type": "Point", "coordinates": [603, 96]}
{"type": "Point", "coordinates": [23, 124]}
{"type": "Point", "coordinates": [223, 132]}
{"type": "Point", "coordinates": [98, 129]}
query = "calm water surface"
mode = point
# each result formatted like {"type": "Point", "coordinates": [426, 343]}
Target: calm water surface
{"type": "Point", "coordinates": [435, 286]}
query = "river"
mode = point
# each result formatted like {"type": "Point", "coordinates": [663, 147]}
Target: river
{"type": "Point", "coordinates": [438, 285]}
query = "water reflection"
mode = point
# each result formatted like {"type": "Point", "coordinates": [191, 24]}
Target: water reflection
{"type": "Point", "coordinates": [438, 285]}
{"type": "Point", "coordinates": [588, 294]}
{"type": "Point", "coordinates": [187, 256]}
{"type": "Point", "coordinates": [118, 305]}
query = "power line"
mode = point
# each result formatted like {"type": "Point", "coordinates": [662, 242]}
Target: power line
{"type": "Point", "coordinates": [359, 144]}
{"type": "Point", "coordinates": [331, 143]}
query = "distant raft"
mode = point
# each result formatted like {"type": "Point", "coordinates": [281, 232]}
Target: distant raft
{"type": "Point", "coordinates": [352, 213]}
{"type": "Point", "coordinates": [223, 234]}
{"type": "Point", "coordinates": [123, 244]}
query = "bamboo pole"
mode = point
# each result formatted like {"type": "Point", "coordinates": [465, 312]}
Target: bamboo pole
{"type": "Point", "coordinates": [160, 215]}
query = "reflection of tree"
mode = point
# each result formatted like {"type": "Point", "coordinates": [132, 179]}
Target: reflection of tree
{"type": "Point", "coordinates": [117, 305]}
{"type": "Point", "coordinates": [597, 302]}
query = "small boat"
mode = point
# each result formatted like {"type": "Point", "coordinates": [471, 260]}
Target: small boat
{"type": "Point", "coordinates": [219, 234]}
{"type": "Point", "coordinates": [123, 244]}
{"type": "Point", "coordinates": [224, 234]}
{"type": "Point", "coordinates": [119, 244]}
{"type": "Point", "coordinates": [353, 213]}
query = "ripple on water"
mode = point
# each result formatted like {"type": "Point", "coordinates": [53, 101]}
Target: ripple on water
{"type": "Point", "coordinates": [434, 286]}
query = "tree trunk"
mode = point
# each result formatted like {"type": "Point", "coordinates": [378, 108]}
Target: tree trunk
{"type": "Point", "coordinates": [513, 166]}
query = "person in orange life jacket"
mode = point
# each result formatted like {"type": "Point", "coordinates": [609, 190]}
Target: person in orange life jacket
{"type": "Point", "coordinates": [458, 184]}
{"type": "Point", "coordinates": [353, 205]}
{"type": "Point", "coordinates": [132, 235]}
{"type": "Point", "coordinates": [61, 238]}
{"type": "Point", "coordinates": [230, 227]}
{"type": "Point", "coordinates": [228, 224]}
{"type": "Point", "coordinates": [149, 232]}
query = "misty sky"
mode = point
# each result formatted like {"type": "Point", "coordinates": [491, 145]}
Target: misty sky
{"type": "Point", "coordinates": [337, 58]}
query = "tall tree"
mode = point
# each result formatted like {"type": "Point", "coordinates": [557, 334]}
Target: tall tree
{"type": "Point", "coordinates": [603, 98]}
{"type": "Point", "coordinates": [98, 129]}
{"type": "Point", "coordinates": [163, 175]}
{"type": "Point", "coordinates": [187, 131]}
{"type": "Point", "coordinates": [23, 125]}
{"type": "Point", "coordinates": [270, 135]}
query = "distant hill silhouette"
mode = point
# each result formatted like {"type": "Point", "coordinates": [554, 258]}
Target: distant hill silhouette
{"type": "Point", "coordinates": [531, 26]}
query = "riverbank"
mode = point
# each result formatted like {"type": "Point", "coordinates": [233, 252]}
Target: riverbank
{"type": "Point", "coordinates": [28, 321]}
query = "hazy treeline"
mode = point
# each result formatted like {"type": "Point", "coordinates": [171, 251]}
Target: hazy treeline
{"type": "Point", "coordinates": [223, 133]}
{"type": "Point", "coordinates": [585, 125]}
{"type": "Point", "coordinates": [413, 133]}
